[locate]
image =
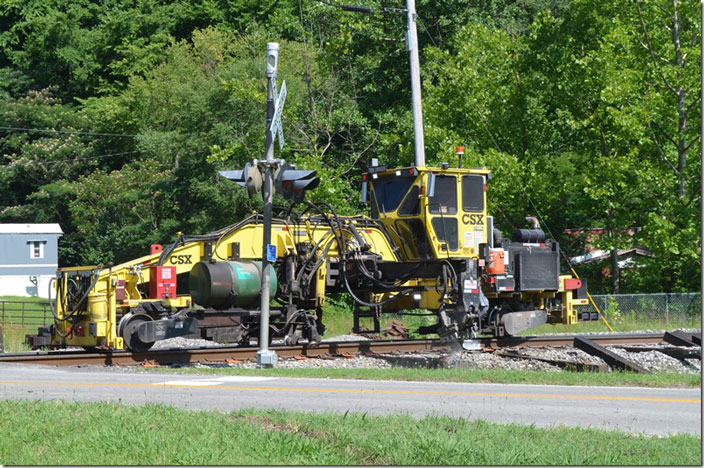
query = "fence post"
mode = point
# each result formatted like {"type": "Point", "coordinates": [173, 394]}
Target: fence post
{"type": "Point", "coordinates": [23, 304]}
{"type": "Point", "coordinates": [667, 308]}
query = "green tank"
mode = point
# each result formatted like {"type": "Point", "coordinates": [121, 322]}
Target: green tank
{"type": "Point", "coordinates": [227, 284]}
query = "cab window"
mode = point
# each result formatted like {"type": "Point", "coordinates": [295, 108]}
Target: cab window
{"type": "Point", "coordinates": [414, 240]}
{"type": "Point", "coordinates": [473, 193]}
{"type": "Point", "coordinates": [411, 205]}
{"type": "Point", "coordinates": [444, 201]}
{"type": "Point", "coordinates": [389, 191]}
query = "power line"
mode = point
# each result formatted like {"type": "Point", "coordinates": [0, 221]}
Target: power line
{"type": "Point", "coordinates": [62, 132]}
{"type": "Point", "coordinates": [363, 9]}
{"type": "Point", "coordinates": [426, 30]}
{"type": "Point", "coordinates": [48, 163]}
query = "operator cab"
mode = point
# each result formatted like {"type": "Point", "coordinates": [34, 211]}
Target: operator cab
{"type": "Point", "coordinates": [430, 212]}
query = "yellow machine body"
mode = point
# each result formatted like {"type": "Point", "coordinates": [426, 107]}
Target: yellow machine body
{"type": "Point", "coordinates": [421, 217]}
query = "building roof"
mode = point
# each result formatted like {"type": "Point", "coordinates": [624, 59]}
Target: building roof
{"type": "Point", "coordinates": [21, 228]}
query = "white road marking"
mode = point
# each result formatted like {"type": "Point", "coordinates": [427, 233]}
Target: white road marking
{"type": "Point", "coordinates": [216, 380]}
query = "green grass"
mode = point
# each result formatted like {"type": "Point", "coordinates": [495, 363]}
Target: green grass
{"type": "Point", "coordinates": [114, 434]}
{"type": "Point", "coordinates": [617, 325]}
{"type": "Point", "coordinates": [23, 299]}
{"type": "Point", "coordinates": [337, 317]}
{"type": "Point", "coordinates": [466, 375]}
{"type": "Point", "coordinates": [13, 332]}
{"type": "Point", "coordinates": [13, 337]}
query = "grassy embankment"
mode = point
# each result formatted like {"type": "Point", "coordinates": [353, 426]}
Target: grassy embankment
{"type": "Point", "coordinates": [115, 434]}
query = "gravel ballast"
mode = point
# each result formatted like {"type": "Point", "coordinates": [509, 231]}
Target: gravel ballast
{"type": "Point", "coordinates": [653, 361]}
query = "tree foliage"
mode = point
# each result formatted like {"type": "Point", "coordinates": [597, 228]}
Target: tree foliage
{"type": "Point", "coordinates": [116, 115]}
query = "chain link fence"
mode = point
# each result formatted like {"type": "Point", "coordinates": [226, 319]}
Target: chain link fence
{"type": "Point", "coordinates": [679, 309]}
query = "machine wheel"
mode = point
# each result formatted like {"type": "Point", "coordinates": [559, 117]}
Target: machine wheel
{"type": "Point", "coordinates": [128, 331]}
{"type": "Point", "coordinates": [291, 340]}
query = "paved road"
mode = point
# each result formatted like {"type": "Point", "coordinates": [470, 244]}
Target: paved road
{"type": "Point", "coordinates": [647, 410]}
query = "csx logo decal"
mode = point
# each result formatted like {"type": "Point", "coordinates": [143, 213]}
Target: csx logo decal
{"type": "Point", "coordinates": [473, 218]}
{"type": "Point", "coordinates": [180, 260]}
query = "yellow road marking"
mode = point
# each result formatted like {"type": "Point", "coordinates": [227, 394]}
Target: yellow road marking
{"type": "Point", "coordinates": [360, 390]}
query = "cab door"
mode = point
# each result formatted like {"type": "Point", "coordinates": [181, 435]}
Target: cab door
{"type": "Point", "coordinates": [473, 222]}
{"type": "Point", "coordinates": [442, 216]}
{"type": "Point", "coordinates": [456, 215]}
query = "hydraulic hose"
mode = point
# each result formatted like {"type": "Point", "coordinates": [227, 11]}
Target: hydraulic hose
{"type": "Point", "coordinates": [371, 304]}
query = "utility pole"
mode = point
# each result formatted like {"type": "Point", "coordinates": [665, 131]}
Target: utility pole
{"type": "Point", "coordinates": [265, 356]}
{"type": "Point", "coordinates": [412, 47]}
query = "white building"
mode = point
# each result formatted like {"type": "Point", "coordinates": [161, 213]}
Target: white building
{"type": "Point", "coordinates": [28, 258]}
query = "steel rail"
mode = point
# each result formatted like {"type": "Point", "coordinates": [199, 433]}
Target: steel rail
{"type": "Point", "coordinates": [609, 339]}
{"type": "Point", "coordinates": [225, 354]}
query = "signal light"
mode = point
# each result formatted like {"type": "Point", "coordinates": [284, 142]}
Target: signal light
{"type": "Point", "coordinates": [250, 178]}
{"type": "Point", "coordinates": [254, 179]}
{"type": "Point", "coordinates": [292, 183]}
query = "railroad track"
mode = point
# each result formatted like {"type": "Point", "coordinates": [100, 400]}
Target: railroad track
{"type": "Point", "coordinates": [225, 354]}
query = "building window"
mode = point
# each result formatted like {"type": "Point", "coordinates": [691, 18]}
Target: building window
{"type": "Point", "coordinates": [36, 249]}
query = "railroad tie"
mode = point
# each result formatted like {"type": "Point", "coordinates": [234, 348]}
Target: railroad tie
{"type": "Point", "coordinates": [561, 363]}
{"type": "Point", "coordinates": [679, 338]}
{"type": "Point", "coordinates": [611, 358]}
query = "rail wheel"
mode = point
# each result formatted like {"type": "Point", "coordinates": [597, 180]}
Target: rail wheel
{"type": "Point", "coordinates": [128, 329]}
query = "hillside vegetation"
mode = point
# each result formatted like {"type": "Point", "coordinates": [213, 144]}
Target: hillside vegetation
{"type": "Point", "coordinates": [116, 115]}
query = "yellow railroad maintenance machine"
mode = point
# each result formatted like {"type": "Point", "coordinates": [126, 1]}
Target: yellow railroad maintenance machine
{"type": "Point", "coordinates": [428, 244]}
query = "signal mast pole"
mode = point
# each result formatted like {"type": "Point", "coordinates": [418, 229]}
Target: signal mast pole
{"type": "Point", "coordinates": [412, 47]}
{"type": "Point", "coordinates": [265, 356]}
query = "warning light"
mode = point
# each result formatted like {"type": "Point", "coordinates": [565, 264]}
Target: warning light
{"type": "Point", "coordinates": [292, 183]}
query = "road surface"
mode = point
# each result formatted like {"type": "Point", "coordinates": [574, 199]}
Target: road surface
{"type": "Point", "coordinates": [630, 409]}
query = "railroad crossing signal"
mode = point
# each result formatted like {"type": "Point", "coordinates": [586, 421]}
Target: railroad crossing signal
{"type": "Point", "coordinates": [292, 183]}
{"type": "Point", "coordinates": [289, 182]}
{"type": "Point", "coordinates": [276, 126]}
